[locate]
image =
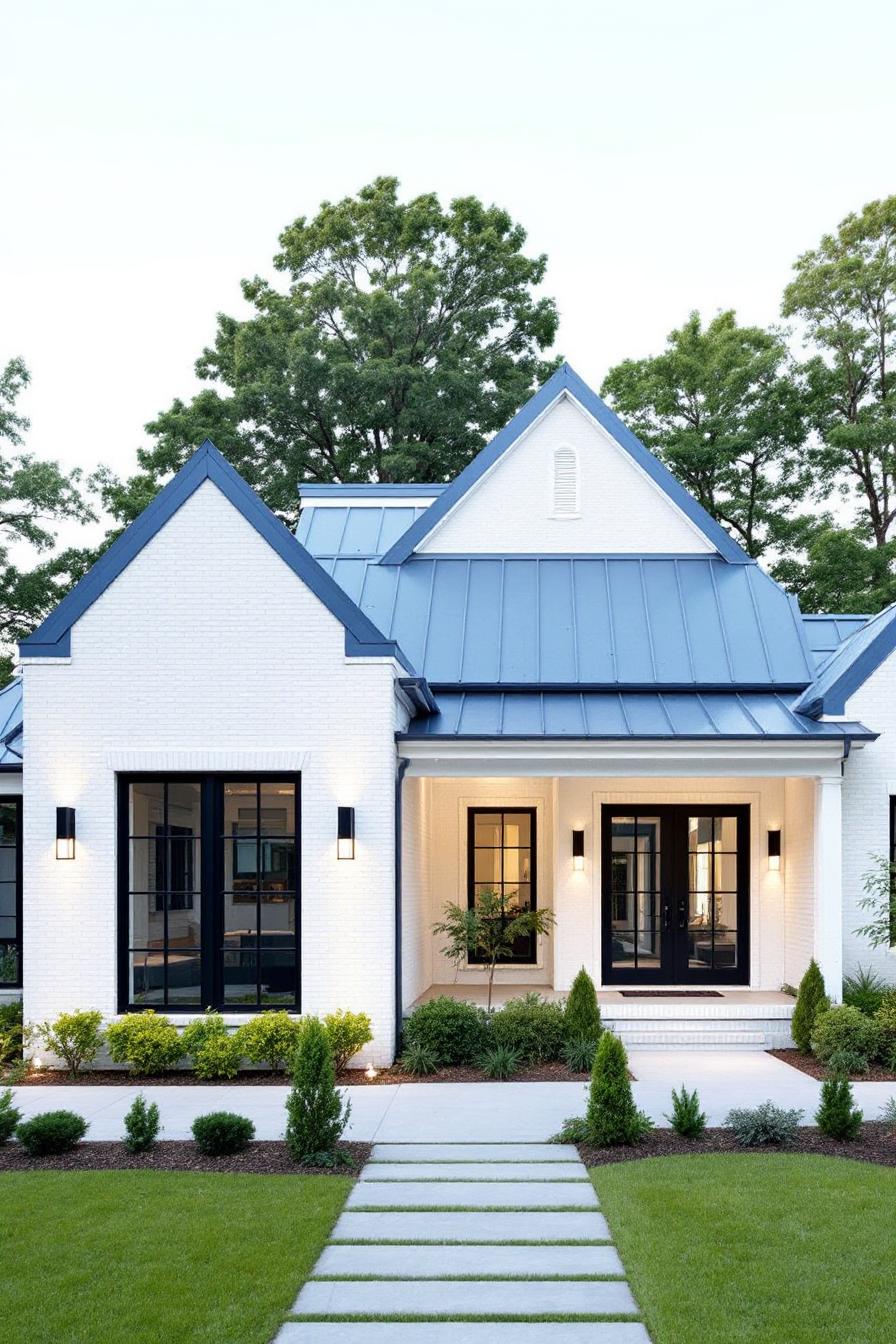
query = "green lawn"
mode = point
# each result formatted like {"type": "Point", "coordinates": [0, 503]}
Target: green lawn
{"type": "Point", "coordinates": [137, 1257]}
{"type": "Point", "coordinates": [756, 1248]}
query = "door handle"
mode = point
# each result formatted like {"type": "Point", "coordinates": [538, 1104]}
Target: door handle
{"type": "Point", "coordinates": [667, 918]}
{"type": "Point", "coordinates": [682, 914]}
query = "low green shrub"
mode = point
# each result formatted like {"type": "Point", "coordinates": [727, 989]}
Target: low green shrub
{"type": "Point", "coordinates": [347, 1033]}
{"type": "Point", "coordinates": [270, 1038]}
{"type": "Point", "coordinates": [579, 1052]}
{"type": "Point", "coordinates": [581, 1015]}
{"type": "Point", "coordinates": [837, 1116]}
{"type": "Point", "coordinates": [612, 1117]}
{"type": "Point", "coordinates": [499, 1062]}
{"type": "Point", "coordinates": [864, 990]}
{"type": "Point", "coordinates": [885, 1021]}
{"type": "Point", "coordinates": [454, 1032]}
{"type": "Point", "coordinates": [316, 1112]}
{"type": "Point", "coordinates": [146, 1041]}
{"type": "Point", "coordinates": [845, 1028]}
{"type": "Point", "coordinates": [9, 1116]}
{"type": "Point", "coordinates": [418, 1058]}
{"type": "Point", "coordinates": [764, 1124]}
{"type": "Point", "coordinates": [51, 1132]}
{"type": "Point", "coordinates": [221, 1133]}
{"type": "Point", "coordinates": [687, 1119]}
{"type": "Point", "coordinates": [845, 1063]}
{"type": "Point", "coordinates": [141, 1126]}
{"type": "Point", "coordinates": [75, 1037]}
{"type": "Point", "coordinates": [215, 1052]}
{"type": "Point", "coordinates": [574, 1130]}
{"type": "Point", "coordinates": [531, 1027]}
{"type": "Point", "coordinates": [10, 1032]}
{"type": "Point", "coordinates": [810, 1001]}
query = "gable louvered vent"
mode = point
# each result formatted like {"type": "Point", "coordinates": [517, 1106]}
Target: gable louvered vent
{"type": "Point", "coordinates": [566, 483]}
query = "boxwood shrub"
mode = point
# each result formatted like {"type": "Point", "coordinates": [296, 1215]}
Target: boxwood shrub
{"type": "Point", "coordinates": [221, 1133]}
{"type": "Point", "coordinates": [532, 1028]}
{"type": "Point", "coordinates": [51, 1132]}
{"type": "Point", "coordinates": [454, 1032]}
{"type": "Point", "coordinates": [845, 1028]}
{"type": "Point", "coordinates": [148, 1042]}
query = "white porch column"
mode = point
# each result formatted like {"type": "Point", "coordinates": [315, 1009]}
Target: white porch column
{"type": "Point", "coordinates": [828, 902]}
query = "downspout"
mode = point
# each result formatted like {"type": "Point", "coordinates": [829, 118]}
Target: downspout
{"type": "Point", "coordinates": [399, 1006]}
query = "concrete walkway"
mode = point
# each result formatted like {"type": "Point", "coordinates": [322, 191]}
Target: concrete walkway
{"type": "Point", "coordinates": [449, 1232]}
{"type": "Point", "coordinates": [449, 1113]}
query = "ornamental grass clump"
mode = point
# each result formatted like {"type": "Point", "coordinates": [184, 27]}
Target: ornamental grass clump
{"type": "Point", "coordinates": [810, 1001]}
{"type": "Point", "coordinates": [764, 1124]}
{"type": "Point", "coordinates": [500, 1062]}
{"type": "Point", "coordinates": [687, 1119]}
{"type": "Point", "coordinates": [864, 990]}
{"type": "Point", "coordinates": [611, 1117]}
{"type": "Point", "coordinates": [75, 1037]}
{"type": "Point", "coordinates": [418, 1059]}
{"type": "Point", "coordinates": [316, 1111]}
{"type": "Point", "coordinates": [141, 1126]}
{"type": "Point", "coordinates": [837, 1116]}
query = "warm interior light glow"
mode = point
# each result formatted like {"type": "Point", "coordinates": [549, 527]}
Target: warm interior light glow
{"type": "Point", "coordinates": [65, 849]}
{"type": "Point", "coordinates": [370, 1071]}
{"type": "Point", "coordinates": [345, 849]}
{"type": "Point", "coordinates": [774, 863]}
{"type": "Point", "coordinates": [578, 862]}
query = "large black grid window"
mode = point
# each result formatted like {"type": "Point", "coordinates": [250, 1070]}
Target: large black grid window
{"type": "Point", "coordinates": [11, 892]}
{"type": "Point", "coordinates": [501, 858]}
{"type": "Point", "coordinates": [209, 892]}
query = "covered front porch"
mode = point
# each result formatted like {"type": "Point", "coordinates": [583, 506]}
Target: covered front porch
{"type": "Point", "coordinates": [678, 906]}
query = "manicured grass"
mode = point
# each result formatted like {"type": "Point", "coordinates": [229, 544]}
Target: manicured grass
{"type": "Point", "coordinates": [755, 1248]}
{"type": "Point", "coordinates": [135, 1257]}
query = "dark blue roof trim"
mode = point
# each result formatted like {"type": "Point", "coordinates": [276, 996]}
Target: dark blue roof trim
{"type": "Point", "coordinates": [373, 490]}
{"type": "Point", "coordinates": [850, 666]}
{"type": "Point", "coordinates": [52, 639]}
{"type": "Point", "coordinates": [565, 380]}
{"type": "Point", "coordinates": [418, 692]}
{"type": "Point", "coordinates": [619, 716]}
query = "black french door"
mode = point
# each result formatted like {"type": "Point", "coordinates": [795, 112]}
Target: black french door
{"type": "Point", "coordinates": [676, 894]}
{"type": "Point", "coordinates": [501, 859]}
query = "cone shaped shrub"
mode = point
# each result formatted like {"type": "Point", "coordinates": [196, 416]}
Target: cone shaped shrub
{"type": "Point", "coordinates": [810, 1001]}
{"type": "Point", "coordinates": [582, 1014]}
{"type": "Point", "coordinates": [612, 1116]}
{"type": "Point", "coordinates": [837, 1116]}
{"type": "Point", "coordinates": [316, 1111]}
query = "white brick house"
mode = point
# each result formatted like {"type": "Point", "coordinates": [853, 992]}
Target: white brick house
{"type": "Point", "coordinates": [556, 673]}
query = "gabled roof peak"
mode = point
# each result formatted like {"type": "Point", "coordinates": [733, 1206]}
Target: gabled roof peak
{"type": "Point", "coordinates": [565, 381]}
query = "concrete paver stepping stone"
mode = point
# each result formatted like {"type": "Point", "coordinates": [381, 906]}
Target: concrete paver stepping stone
{"type": "Point", "coordinates": [469, 1194]}
{"type": "Point", "coordinates": [474, 1152]}
{"type": "Point", "coordinates": [473, 1226]}
{"type": "Point", "coordinates": [422, 1297]}
{"type": "Point", "coordinates": [473, 1171]}
{"type": "Point", "coordinates": [447, 1332]}
{"type": "Point", "coordinates": [425, 1262]}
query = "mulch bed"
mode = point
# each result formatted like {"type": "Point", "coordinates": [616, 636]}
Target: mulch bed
{"type": "Point", "coordinates": [874, 1144]}
{"type": "Point", "coordinates": [538, 1073]}
{"type": "Point", "coordinates": [265, 1158]}
{"type": "Point", "coordinates": [809, 1064]}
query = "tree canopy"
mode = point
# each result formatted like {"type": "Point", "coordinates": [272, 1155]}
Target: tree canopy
{"type": "Point", "coordinates": [405, 335]}
{"type": "Point", "coordinates": [34, 497]}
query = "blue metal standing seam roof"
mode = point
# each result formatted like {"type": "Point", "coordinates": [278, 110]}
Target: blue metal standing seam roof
{"type": "Point", "coordinates": [850, 665]}
{"type": "Point", "coordinates": [825, 633]}
{"type": "Point", "coordinates": [11, 730]}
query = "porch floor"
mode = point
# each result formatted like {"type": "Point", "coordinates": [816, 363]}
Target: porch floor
{"type": "Point", "coordinates": [635, 1007]}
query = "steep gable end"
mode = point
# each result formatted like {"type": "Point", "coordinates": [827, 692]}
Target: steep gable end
{"type": "Point", "coordinates": [566, 476]}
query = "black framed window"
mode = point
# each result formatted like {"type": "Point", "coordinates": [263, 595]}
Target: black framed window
{"type": "Point", "coordinates": [209, 892]}
{"type": "Point", "coordinates": [501, 858]}
{"type": "Point", "coordinates": [11, 892]}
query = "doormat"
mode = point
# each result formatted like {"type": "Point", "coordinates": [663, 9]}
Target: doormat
{"type": "Point", "coordinates": [671, 994]}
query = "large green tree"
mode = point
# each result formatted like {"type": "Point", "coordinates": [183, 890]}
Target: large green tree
{"type": "Point", "coordinates": [405, 334]}
{"type": "Point", "coordinates": [34, 497]}
{"type": "Point", "coordinates": [844, 292]}
{"type": "Point", "coordinates": [722, 408]}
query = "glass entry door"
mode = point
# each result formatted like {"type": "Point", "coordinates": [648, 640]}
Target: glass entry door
{"type": "Point", "coordinates": [676, 902]}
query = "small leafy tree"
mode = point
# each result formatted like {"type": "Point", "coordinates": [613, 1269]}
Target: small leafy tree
{"type": "Point", "coordinates": [612, 1116]}
{"type": "Point", "coordinates": [582, 1013]}
{"type": "Point", "coordinates": [316, 1111]}
{"type": "Point", "coordinates": [879, 885]}
{"type": "Point", "coordinates": [490, 930]}
{"type": "Point", "coordinates": [74, 1037]}
{"type": "Point", "coordinates": [810, 1001]}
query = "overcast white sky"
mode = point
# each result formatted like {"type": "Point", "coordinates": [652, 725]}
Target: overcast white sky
{"type": "Point", "coordinates": [665, 155]}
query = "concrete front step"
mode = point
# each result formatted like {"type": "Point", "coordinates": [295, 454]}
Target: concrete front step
{"type": "Point", "coordinates": [429, 1262]}
{"type": "Point", "coordinates": [481, 1227]}
{"type": "Point", "coordinates": [474, 1152]}
{"type": "Point", "coordinates": [473, 1171]}
{"type": "Point", "coordinates": [670, 1037]}
{"type": "Point", "coordinates": [421, 1297]}
{"type": "Point", "coordinates": [473, 1194]}
{"type": "Point", "coordinates": [448, 1332]}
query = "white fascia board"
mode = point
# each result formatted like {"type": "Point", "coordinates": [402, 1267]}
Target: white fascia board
{"type": "Point", "coordinates": [371, 502]}
{"type": "Point", "coordinates": [623, 759]}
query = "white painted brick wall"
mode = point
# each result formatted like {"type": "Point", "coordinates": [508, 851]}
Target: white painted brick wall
{"type": "Point", "coordinates": [869, 780]}
{"type": "Point", "coordinates": [209, 650]}
{"type": "Point", "coordinates": [509, 510]}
